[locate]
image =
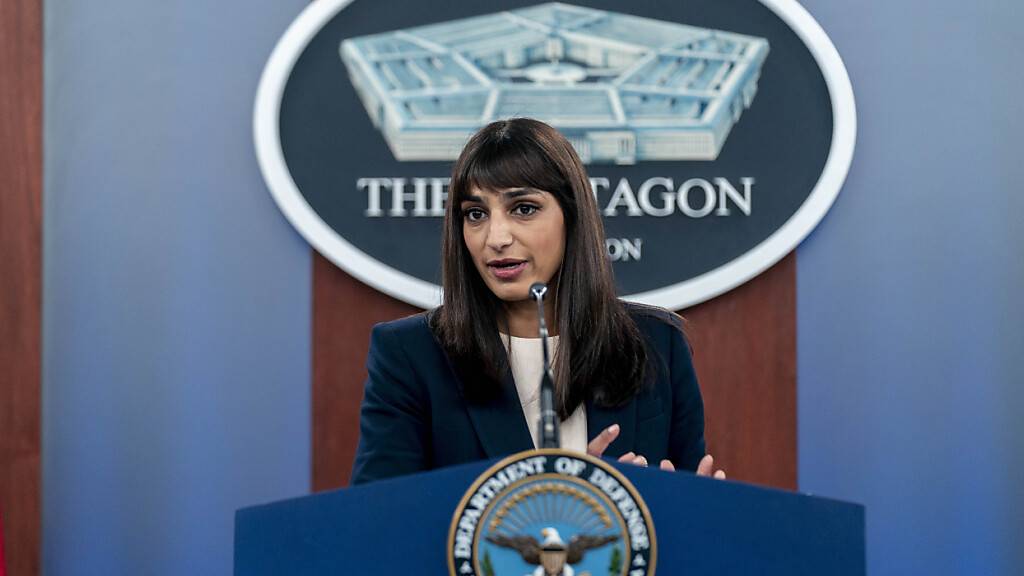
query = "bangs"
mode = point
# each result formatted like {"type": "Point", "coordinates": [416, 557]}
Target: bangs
{"type": "Point", "coordinates": [509, 163]}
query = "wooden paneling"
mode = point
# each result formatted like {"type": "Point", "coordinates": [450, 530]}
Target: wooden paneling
{"type": "Point", "coordinates": [344, 311]}
{"type": "Point", "coordinates": [745, 352]}
{"type": "Point", "coordinates": [744, 345]}
{"type": "Point", "coordinates": [20, 280]}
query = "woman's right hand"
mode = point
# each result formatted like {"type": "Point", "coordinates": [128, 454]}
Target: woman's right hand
{"type": "Point", "coordinates": [600, 443]}
{"type": "Point", "coordinates": [704, 468]}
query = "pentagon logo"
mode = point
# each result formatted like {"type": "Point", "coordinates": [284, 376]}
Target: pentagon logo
{"type": "Point", "coordinates": [622, 88]}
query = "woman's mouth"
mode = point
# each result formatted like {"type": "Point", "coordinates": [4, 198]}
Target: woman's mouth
{"type": "Point", "coordinates": [506, 269]}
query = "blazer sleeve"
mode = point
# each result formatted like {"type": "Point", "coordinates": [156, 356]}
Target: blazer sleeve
{"type": "Point", "coordinates": [686, 437]}
{"type": "Point", "coordinates": [393, 419]}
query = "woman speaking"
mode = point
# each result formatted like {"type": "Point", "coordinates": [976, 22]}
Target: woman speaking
{"type": "Point", "coordinates": [462, 382]}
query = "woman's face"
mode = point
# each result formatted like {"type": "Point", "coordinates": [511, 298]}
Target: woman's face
{"type": "Point", "coordinates": [516, 236]}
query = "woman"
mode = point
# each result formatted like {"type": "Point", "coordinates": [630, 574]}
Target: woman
{"type": "Point", "coordinates": [460, 383]}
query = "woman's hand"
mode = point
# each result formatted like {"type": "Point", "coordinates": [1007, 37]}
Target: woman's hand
{"type": "Point", "coordinates": [704, 468]}
{"type": "Point", "coordinates": [600, 443]}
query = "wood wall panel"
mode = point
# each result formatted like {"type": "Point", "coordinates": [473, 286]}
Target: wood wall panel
{"type": "Point", "coordinates": [744, 349]}
{"type": "Point", "coordinates": [744, 345]}
{"type": "Point", "coordinates": [344, 311]}
{"type": "Point", "coordinates": [20, 280]}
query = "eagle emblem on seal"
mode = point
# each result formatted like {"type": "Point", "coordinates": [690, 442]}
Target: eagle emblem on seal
{"type": "Point", "coordinates": [552, 556]}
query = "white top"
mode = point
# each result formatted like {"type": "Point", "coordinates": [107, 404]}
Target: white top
{"type": "Point", "coordinates": [527, 362]}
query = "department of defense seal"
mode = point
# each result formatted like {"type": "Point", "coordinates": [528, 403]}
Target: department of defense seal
{"type": "Point", "coordinates": [551, 513]}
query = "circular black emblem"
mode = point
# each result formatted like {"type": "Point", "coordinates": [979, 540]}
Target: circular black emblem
{"type": "Point", "coordinates": [717, 133]}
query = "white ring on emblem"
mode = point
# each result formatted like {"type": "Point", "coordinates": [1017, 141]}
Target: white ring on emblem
{"type": "Point", "coordinates": [405, 287]}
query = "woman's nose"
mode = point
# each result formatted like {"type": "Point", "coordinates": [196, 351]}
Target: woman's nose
{"type": "Point", "coordinates": [499, 234]}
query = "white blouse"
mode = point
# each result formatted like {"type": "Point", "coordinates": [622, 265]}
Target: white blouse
{"type": "Point", "coordinates": [527, 362]}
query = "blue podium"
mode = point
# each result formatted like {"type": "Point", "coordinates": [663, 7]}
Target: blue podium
{"type": "Point", "coordinates": [702, 526]}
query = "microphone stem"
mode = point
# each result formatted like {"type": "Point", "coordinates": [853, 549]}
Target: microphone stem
{"type": "Point", "coordinates": [549, 433]}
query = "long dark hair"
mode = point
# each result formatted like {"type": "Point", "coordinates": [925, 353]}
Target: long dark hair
{"type": "Point", "coordinates": [601, 354]}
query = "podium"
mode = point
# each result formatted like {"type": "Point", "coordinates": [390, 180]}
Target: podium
{"type": "Point", "coordinates": [702, 526]}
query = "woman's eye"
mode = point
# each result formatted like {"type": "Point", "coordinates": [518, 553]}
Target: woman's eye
{"type": "Point", "coordinates": [525, 209]}
{"type": "Point", "coordinates": [474, 214]}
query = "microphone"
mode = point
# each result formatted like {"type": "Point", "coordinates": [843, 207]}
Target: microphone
{"type": "Point", "coordinates": [548, 419]}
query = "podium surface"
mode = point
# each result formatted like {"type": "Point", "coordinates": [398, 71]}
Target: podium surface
{"type": "Point", "coordinates": [401, 526]}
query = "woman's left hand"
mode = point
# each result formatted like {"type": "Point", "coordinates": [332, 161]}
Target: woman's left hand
{"type": "Point", "coordinates": [704, 468]}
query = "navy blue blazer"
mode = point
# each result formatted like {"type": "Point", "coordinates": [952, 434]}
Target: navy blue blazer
{"type": "Point", "coordinates": [414, 416]}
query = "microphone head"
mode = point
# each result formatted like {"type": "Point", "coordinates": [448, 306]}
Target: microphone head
{"type": "Point", "coordinates": [538, 290]}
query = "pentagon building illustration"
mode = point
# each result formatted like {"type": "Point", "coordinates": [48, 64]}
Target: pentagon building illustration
{"type": "Point", "coordinates": [622, 88]}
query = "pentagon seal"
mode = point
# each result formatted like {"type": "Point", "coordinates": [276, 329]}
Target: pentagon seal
{"type": "Point", "coordinates": [551, 513]}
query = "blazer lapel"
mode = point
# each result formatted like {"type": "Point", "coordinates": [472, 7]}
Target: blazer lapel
{"type": "Point", "coordinates": [599, 418]}
{"type": "Point", "coordinates": [500, 424]}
